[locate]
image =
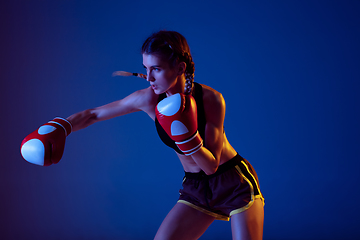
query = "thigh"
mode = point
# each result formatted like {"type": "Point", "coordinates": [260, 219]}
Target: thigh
{"type": "Point", "coordinates": [248, 225]}
{"type": "Point", "coordinates": [183, 222]}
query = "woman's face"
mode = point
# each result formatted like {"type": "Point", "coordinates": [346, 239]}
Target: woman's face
{"type": "Point", "coordinates": [162, 77]}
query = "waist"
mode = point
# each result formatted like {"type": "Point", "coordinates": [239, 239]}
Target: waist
{"type": "Point", "coordinates": [221, 169]}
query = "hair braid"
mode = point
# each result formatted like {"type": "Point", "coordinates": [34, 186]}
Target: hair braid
{"type": "Point", "coordinates": [189, 73]}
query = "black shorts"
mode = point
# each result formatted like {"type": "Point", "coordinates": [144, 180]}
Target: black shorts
{"type": "Point", "coordinates": [232, 189]}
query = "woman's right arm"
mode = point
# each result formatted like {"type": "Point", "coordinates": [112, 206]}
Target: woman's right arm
{"type": "Point", "coordinates": [141, 100]}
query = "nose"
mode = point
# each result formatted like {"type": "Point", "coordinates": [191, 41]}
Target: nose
{"type": "Point", "coordinates": [150, 77]}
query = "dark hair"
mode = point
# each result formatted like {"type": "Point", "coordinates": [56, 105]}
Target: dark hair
{"type": "Point", "coordinates": [172, 47]}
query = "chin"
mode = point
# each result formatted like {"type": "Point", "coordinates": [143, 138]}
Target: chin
{"type": "Point", "coordinates": [157, 91]}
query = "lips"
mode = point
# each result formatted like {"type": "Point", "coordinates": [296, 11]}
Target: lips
{"type": "Point", "coordinates": [154, 87]}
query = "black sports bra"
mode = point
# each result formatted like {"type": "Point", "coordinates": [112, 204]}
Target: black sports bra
{"type": "Point", "coordinates": [198, 95]}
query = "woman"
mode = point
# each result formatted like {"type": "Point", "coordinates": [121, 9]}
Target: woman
{"type": "Point", "coordinates": [218, 183]}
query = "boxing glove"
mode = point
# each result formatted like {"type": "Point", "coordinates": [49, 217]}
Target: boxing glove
{"type": "Point", "coordinates": [177, 114]}
{"type": "Point", "coordinates": [45, 146]}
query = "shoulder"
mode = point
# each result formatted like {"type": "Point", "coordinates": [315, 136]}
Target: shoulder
{"type": "Point", "coordinates": [214, 104]}
{"type": "Point", "coordinates": [211, 97]}
{"type": "Point", "coordinates": [146, 94]}
{"type": "Point", "coordinates": [144, 98]}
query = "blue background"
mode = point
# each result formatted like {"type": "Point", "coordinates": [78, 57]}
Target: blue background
{"type": "Point", "coordinates": [289, 72]}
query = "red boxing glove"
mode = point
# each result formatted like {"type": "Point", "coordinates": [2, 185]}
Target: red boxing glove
{"type": "Point", "coordinates": [45, 146]}
{"type": "Point", "coordinates": [177, 115]}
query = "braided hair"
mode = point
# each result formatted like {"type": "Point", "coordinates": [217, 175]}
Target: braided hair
{"type": "Point", "coordinates": [172, 47]}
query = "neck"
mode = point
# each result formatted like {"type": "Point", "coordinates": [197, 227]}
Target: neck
{"type": "Point", "coordinates": [178, 86]}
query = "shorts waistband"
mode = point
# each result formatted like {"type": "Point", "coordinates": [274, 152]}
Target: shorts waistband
{"type": "Point", "coordinates": [221, 169]}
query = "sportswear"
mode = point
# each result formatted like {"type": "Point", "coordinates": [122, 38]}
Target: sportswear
{"type": "Point", "coordinates": [230, 190]}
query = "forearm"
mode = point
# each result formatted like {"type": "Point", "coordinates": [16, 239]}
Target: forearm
{"type": "Point", "coordinates": [82, 119]}
{"type": "Point", "coordinates": [206, 160]}
{"type": "Point", "coordinates": [87, 117]}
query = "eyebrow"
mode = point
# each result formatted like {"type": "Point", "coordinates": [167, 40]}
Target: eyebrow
{"type": "Point", "coordinates": [154, 66]}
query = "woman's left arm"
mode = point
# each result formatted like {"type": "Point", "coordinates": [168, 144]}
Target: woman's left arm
{"type": "Point", "coordinates": [208, 157]}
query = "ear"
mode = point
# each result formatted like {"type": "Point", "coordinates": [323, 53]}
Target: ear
{"type": "Point", "coordinates": [181, 68]}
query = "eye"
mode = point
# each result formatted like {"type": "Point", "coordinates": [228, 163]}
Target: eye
{"type": "Point", "coordinates": [145, 68]}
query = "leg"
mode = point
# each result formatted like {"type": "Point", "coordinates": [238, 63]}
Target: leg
{"type": "Point", "coordinates": [248, 225]}
{"type": "Point", "coordinates": [183, 222]}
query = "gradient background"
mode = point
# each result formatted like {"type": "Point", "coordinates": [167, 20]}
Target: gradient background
{"type": "Point", "coordinates": [289, 72]}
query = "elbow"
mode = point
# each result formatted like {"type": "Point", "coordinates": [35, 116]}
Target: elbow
{"type": "Point", "coordinates": [211, 170]}
{"type": "Point", "coordinates": [213, 166]}
{"type": "Point", "coordinates": [206, 161]}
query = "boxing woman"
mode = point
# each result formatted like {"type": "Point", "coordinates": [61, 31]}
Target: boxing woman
{"type": "Point", "coordinates": [189, 117]}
